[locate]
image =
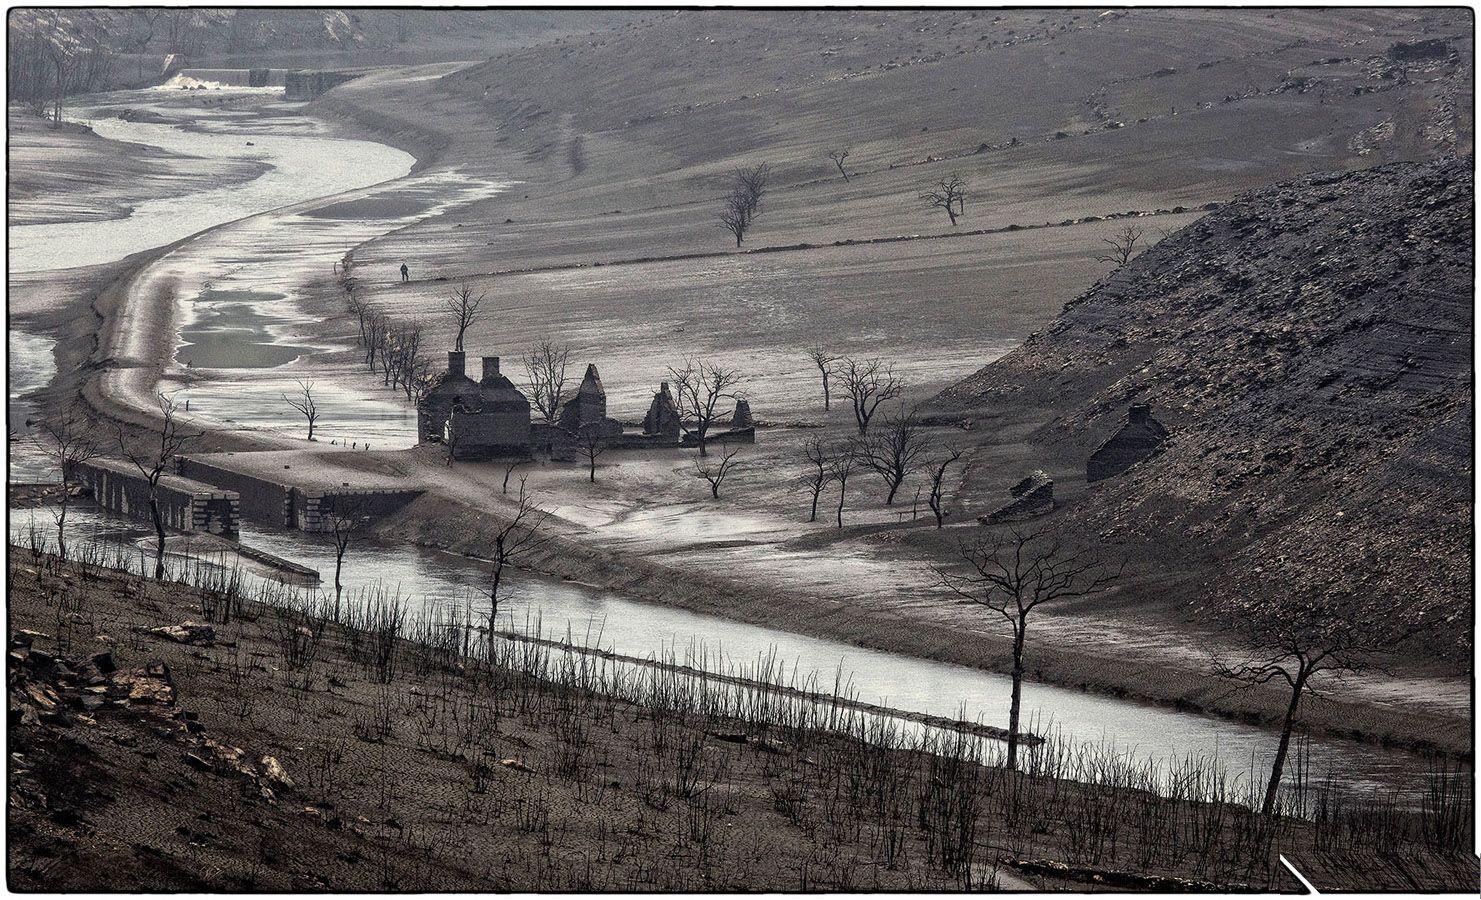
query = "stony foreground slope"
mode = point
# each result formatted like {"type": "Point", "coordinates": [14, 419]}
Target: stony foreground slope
{"type": "Point", "coordinates": [1309, 347]}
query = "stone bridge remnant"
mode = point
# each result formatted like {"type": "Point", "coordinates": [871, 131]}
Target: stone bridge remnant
{"type": "Point", "coordinates": [1140, 437]}
{"type": "Point", "coordinates": [302, 504]}
{"type": "Point", "coordinates": [187, 505]}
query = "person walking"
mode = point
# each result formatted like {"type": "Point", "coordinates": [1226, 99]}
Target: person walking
{"type": "Point", "coordinates": [405, 273]}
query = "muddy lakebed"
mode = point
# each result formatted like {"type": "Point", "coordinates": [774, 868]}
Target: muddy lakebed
{"type": "Point", "coordinates": [244, 338]}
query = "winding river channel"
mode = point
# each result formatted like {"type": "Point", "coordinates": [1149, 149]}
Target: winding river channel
{"type": "Point", "coordinates": [243, 339]}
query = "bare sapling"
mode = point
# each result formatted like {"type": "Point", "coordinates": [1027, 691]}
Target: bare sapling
{"type": "Point", "coordinates": [895, 450]}
{"type": "Point", "coordinates": [1308, 642]}
{"type": "Point", "coordinates": [304, 402]}
{"type": "Point", "coordinates": [949, 194]}
{"type": "Point", "coordinates": [1122, 246]}
{"type": "Point", "coordinates": [463, 309]}
{"type": "Point", "coordinates": [154, 457]}
{"type": "Point", "coordinates": [545, 373]}
{"type": "Point", "coordinates": [818, 473]}
{"type": "Point", "coordinates": [936, 499]}
{"type": "Point", "coordinates": [838, 156]}
{"type": "Point", "coordinates": [520, 535]}
{"type": "Point", "coordinates": [869, 383]}
{"type": "Point", "coordinates": [67, 440]}
{"type": "Point", "coordinates": [699, 388]}
{"type": "Point", "coordinates": [714, 471]}
{"type": "Point", "coordinates": [824, 361]}
{"type": "Point", "coordinates": [845, 462]}
{"type": "Point", "coordinates": [1012, 575]}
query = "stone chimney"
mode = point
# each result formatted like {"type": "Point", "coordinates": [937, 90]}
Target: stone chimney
{"type": "Point", "coordinates": [490, 367]}
{"type": "Point", "coordinates": [455, 362]}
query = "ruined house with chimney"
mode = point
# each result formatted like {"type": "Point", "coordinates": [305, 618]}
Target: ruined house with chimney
{"type": "Point", "coordinates": [490, 418]}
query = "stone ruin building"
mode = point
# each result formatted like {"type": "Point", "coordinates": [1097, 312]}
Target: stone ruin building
{"type": "Point", "coordinates": [1033, 496]}
{"type": "Point", "coordinates": [490, 418]}
{"type": "Point", "coordinates": [497, 425]}
{"type": "Point", "coordinates": [1140, 437]}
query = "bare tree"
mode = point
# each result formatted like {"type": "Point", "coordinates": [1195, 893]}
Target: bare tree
{"type": "Point", "coordinates": [840, 469]}
{"type": "Point", "coordinates": [143, 24]}
{"type": "Point", "coordinates": [818, 472]}
{"type": "Point", "coordinates": [824, 361]}
{"type": "Point", "coordinates": [1122, 246]}
{"type": "Point", "coordinates": [157, 457]}
{"type": "Point", "coordinates": [1300, 636]}
{"type": "Point", "coordinates": [591, 443]}
{"type": "Point", "coordinates": [747, 187]}
{"type": "Point", "coordinates": [895, 451]}
{"type": "Point", "coordinates": [346, 518]}
{"type": "Point", "coordinates": [1014, 575]}
{"type": "Point", "coordinates": [519, 535]}
{"type": "Point", "coordinates": [545, 368]}
{"type": "Point", "coordinates": [949, 194]}
{"type": "Point", "coordinates": [869, 383]}
{"type": "Point", "coordinates": [508, 471]}
{"type": "Point", "coordinates": [838, 156]}
{"type": "Point", "coordinates": [936, 499]}
{"type": "Point", "coordinates": [67, 439]}
{"type": "Point", "coordinates": [303, 401]}
{"type": "Point", "coordinates": [463, 307]}
{"type": "Point", "coordinates": [752, 184]}
{"type": "Point", "coordinates": [714, 472]}
{"type": "Point", "coordinates": [734, 217]}
{"type": "Point", "coordinates": [699, 388]}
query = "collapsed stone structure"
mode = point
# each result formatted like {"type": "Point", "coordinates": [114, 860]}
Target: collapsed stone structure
{"type": "Point", "coordinates": [662, 419]}
{"type": "Point", "coordinates": [1140, 437]}
{"type": "Point", "coordinates": [490, 418]}
{"type": "Point", "coordinates": [1033, 496]}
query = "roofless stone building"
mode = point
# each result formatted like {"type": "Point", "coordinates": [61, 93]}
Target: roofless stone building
{"type": "Point", "coordinates": [1140, 437]}
{"type": "Point", "coordinates": [490, 418]}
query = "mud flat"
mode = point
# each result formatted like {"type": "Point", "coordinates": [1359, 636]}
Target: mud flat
{"type": "Point", "coordinates": [72, 174]}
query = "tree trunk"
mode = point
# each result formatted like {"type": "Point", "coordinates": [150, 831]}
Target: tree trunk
{"type": "Point", "coordinates": [889, 499]}
{"type": "Point", "coordinates": [827, 400]}
{"type": "Point", "coordinates": [339, 562]}
{"type": "Point", "coordinates": [814, 516]}
{"type": "Point", "coordinates": [159, 533]}
{"type": "Point", "coordinates": [62, 524]}
{"type": "Point", "coordinates": [842, 491]}
{"type": "Point", "coordinates": [593, 470]}
{"type": "Point", "coordinates": [1014, 704]}
{"type": "Point", "coordinates": [494, 594]}
{"type": "Point", "coordinates": [715, 489]}
{"type": "Point", "coordinates": [1277, 767]}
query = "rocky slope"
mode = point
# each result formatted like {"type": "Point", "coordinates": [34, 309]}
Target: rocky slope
{"type": "Point", "coordinates": [1309, 348]}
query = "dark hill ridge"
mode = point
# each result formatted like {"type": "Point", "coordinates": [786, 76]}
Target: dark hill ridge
{"type": "Point", "coordinates": [1309, 347]}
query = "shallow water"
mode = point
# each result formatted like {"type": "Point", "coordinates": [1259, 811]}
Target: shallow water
{"type": "Point", "coordinates": [31, 367]}
{"type": "Point", "coordinates": [431, 580]}
{"type": "Point", "coordinates": [303, 164]}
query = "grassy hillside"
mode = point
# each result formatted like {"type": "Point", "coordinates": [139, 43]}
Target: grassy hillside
{"type": "Point", "coordinates": [1309, 348]}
